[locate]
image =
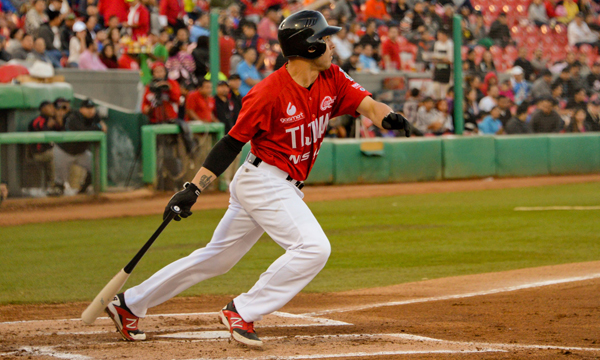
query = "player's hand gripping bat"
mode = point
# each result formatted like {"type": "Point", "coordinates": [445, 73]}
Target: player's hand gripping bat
{"type": "Point", "coordinates": [111, 289]}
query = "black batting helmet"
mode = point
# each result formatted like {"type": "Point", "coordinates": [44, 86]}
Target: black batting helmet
{"type": "Point", "coordinates": [301, 34]}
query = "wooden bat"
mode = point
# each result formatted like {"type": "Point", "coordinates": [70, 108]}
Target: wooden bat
{"type": "Point", "coordinates": [111, 289]}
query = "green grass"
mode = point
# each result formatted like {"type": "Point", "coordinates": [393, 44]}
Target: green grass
{"type": "Point", "coordinates": [375, 242]}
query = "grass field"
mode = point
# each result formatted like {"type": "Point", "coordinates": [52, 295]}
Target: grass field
{"type": "Point", "coordinates": [375, 242]}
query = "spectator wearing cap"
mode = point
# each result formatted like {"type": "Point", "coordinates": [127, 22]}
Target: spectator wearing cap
{"type": "Point", "coordinates": [25, 49]}
{"type": "Point", "coordinates": [200, 105]}
{"type": "Point", "coordinates": [491, 124]}
{"type": "Point", "coordinates": [4, 55]}
{"type": "Point", "coordinates": [200, 27]}
{"type": "Point", "coordinates": [247, 71]}
{"type": "Point", "coordinates": [235, 82]}
{"type": "Point", "coordinates": [43, 154]}
{"type": "Point", "coordinates": [518, 124]}
{"type": "Point", "coordinates": [390, 50]}
{"type": "Point", "coordinates": [50, 32]}
{"type": "Point", "coordinates": [77, 44]}
{"type": "Point", "coordinates": [592, 119]}
{"type": "Point", "coordinates": [67, 154]}
{"type": "Point", "coordinates": [499, 31]}
{"type": "Point", "coordinates": [443, 56]}
{"type": "Point", "coordinates": [138, 19]}
{"type": "Point", "coordinates": [90, 59]}
{"type": "Point", "coordinates": [579, 33]}
{"type": "Point", "coordinates": [521, 87]}
{"type": "Point", "coordinates": [267, 27]}
{"type": "Point", "coordinates": [545, 119]}
{"type": "Point", "coordinates": [35, 17]}
{"type": "Point", "coordinates": [541, 87]}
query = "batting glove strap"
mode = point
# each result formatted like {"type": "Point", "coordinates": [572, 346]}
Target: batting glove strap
{"type": "Point", "coordinates": [393, 121]}
{"type": "Point", "coordinates": [185, 199]}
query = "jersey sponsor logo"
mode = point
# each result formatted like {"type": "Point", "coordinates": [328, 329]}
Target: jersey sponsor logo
{"type": "Point", "coordinates": [314, 129]}
{"type": "Point", "coordinates": [357, 86]}
{"type": "Point", "coordinates": [327, 102]}
{"type": "Point", "coordinates": [292, 119]}
{"type": "Point", "coordinates": [291, 109]}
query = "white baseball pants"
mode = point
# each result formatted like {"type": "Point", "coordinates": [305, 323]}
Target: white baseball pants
{"type": "Point", "coordinates": [261, 200]}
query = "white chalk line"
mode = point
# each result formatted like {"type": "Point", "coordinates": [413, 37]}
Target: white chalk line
{"type": "Point", "coordinates": [49, 351]}
{"type": "Point", "coordinates": [457, 296]}
{"type": "Point", "coordinates": [552, 208]}
{"type": "Point", "coordinates": [358, 354]}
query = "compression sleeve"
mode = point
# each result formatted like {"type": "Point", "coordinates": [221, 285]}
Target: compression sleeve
{"type": "Point", "coordinates": [223, 154]}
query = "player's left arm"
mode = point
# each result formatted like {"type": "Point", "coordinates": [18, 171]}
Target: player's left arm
{"type": "Point", "coordinates": [383, 116]}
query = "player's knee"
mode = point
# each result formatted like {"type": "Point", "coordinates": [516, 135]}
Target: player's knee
{"type": "Point", "coordinates": [321, 251]}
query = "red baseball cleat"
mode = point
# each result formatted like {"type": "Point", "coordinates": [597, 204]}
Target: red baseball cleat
{"type": "Point", "coordinates": [125, 321]}
{"type": "Point", "coordinates": [240, 330]}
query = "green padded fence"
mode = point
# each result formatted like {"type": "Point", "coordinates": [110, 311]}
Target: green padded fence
{"type": "Point", "coordinates": [414, 159]}
{"type": "Point", "coordinates": [97, 138]}
{"type": "Point", "coordinates": [574, 154]}
{"type": "Point", "coordinates": [522, 155]}
{"type": "Point", "coordinates": [149, 133]}
{"type": "Point", "coordinates": [468, 157]}
{"type": "Point", "coordinates": [30, 95]}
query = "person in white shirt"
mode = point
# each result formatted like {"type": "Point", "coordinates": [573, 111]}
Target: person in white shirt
{"type": "Point", "coordinates": [343, 45]}
{"type": "Point", "coordinates": [443, 52]}
{"type": "Point", "coordinates": [578, 32]}
{"type": "Point", "coordinates": [487, 103]}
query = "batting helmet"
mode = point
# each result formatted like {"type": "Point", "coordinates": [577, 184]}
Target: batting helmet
{"type": "Point", "coordinates": [301, 34]}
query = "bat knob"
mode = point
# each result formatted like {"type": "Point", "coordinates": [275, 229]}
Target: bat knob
{"type": "Point", "coordinates": [176, 209]}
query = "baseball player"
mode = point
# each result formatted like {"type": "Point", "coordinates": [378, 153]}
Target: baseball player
{"type": "Point", "coordinates": [284, 117]}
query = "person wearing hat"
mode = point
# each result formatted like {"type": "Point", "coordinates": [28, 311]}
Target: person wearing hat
{"type": "Point", "coordinates": [138, 19]}
{"type": "Point", "coordinates": [50, 32]}
{"type": "Point", "coordinates": [161, 97]}
{"type": "Point", "coordinates": [592, 118]}
{"type": "Point", "coordinates": [520, 87]}
{"type": "Point", "coordinates": [541, 87]}
{"type": "Point", "coordinates": [77, 153]}
{"type": "Point", "coordinates": [77, 44]}
{"type": "Point", "coordinates": [235, 81]}
{"type": "Point", "coordinates": [43, 153]}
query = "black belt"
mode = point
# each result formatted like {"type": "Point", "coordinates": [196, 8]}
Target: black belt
{"type": "Point", "coordinates": [255, 160]}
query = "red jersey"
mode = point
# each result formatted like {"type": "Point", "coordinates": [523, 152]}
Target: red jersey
{"type": "Point", "coordinates": [139, 17]}
{"type": "Point", "coordinates": [392, 49]}
{"type": "Point", "coordinates": [165, 108]}
{"type": "Point", "coordinates": [286, 122]}
{"type": "Point", "coordinates": [202, 106]}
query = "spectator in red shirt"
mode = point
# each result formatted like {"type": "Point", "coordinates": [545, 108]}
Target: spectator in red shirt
{"type": "Point", "coordinates": [138, 19]}
{"type": "Point", "coordinates": [376, 9]}
{"type": "Point", "coordinates": [110, 8]}
{"type": "Point", "coordinates": [267, 27]}
{"type": "Point", "coordinates": [200, 104]}
{"type": "Point", "coordinates": [174, 11]}
{"type": "Point", "coordinates": [161, 98]}
{"type": "Point", "coordinates": [226, 48]}
{"type": "Point", "coordinates": [390, 50]}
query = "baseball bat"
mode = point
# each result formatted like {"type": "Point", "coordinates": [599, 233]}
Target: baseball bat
{"type": "Point", "coordinates": [111, 289]}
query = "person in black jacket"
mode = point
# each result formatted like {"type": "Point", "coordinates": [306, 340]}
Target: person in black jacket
{"type": "Point", "coordinates": [518, 124]}
{"type": "Point", "coordinates": [67, 154]}
{"type": "Point", "coordinates": [592, 118]}
{"type": "Point", "coordinates": [50, 32]}
{"type": "Point", "coordinates": [42, 153]}
{"type": "Point", "coordinates": [499, 31]}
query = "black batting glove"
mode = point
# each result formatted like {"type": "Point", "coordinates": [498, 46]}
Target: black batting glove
{"type": "Point", "coordinates": [393, 121]}
{"type": "Point", "coordinates": [184, 199]}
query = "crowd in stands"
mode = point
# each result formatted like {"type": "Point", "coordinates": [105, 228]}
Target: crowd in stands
{"type": "Point", "coordinates": [529, 65]}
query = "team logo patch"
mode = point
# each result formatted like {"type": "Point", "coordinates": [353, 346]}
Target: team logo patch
{"type": "Point", "coordinates": [327, 103]}
{"type": "Point", "coordinates": [291, 109]}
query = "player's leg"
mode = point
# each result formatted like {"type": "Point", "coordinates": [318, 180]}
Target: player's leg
{"type": "Point", "coordinates": [278, 207]}
{"type": "Point", "coordinates": [62, 164]}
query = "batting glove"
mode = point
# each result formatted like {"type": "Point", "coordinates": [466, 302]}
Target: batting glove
{"type": "Point", "coordinates": [393, 121]}
{"type": "Point", "coordinates": [185, 199]}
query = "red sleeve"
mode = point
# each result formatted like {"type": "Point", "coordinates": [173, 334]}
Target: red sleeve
{"type": "Point", "coordinates": [350, 94]}
{"type": "Point", "coordinates": [162, 10]}
{"type": "Point", "coordinates": [255, 116]}
{"type": "Point", "coordinates": [190, 103]}
{"type": "Point", "coordinates": [145, 20]}
{"type": "Point", "coordinates": [175, 93]}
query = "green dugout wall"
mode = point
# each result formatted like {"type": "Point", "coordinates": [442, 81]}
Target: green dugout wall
{"type": "Point", "coordinates": [344, 161]}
